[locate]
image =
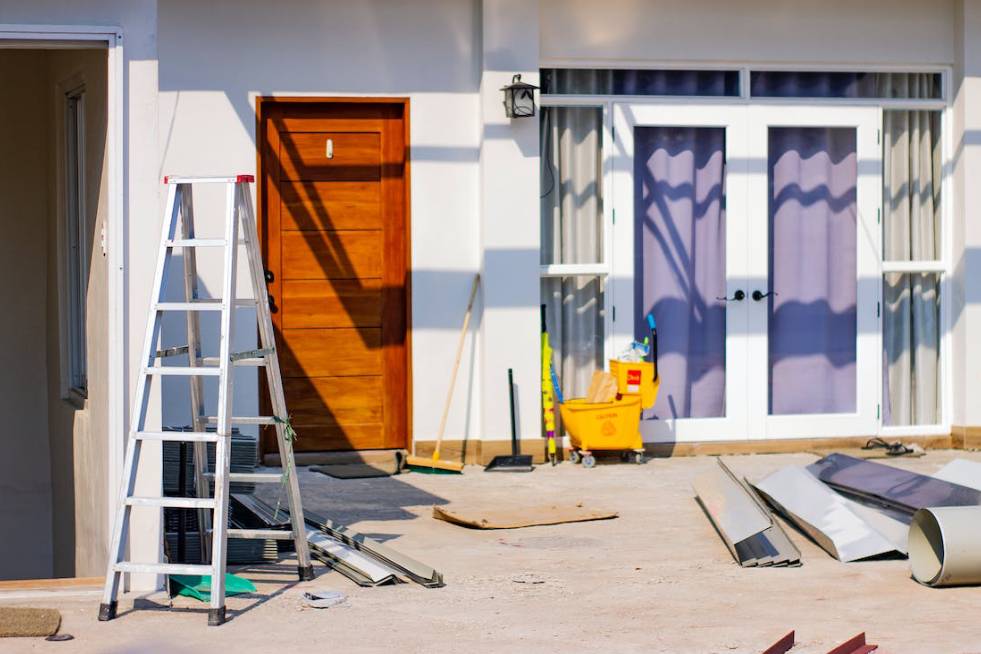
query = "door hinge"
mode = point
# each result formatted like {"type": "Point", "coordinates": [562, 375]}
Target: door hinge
{"type": "Point", "coordinates": [878, 216]}
{"type": "Point", "coordinates": [614, 313]}
{"type": "Point", "coordinates": [614, 216]}
{"type": "Point", "coordinates": [613, 134]}
{"type": "Point", "coordinates": [878, 310]}
{"type": "Point", "coordinates": [878, 411]}
{"type": "Point", "coordinates": [878, 137]}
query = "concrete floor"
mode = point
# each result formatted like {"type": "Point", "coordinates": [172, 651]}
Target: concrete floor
{"type": "Point", "coordinates": [657, 579]}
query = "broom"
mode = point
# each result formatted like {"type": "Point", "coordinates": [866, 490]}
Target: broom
{"type": "Point", "coordinates": [434, 465]}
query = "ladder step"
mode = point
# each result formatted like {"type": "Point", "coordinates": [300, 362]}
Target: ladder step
{"type": "Point", "coordinates": [245, 420]}
{"type": "Point", "coordinates": [250, 477]}
{"type": "Point", "coordinates": [197, 305]}
{"type": "Point", "coordinates": [195, 243]}
{"type": "Point", "coordinates": [163, 568]}
{"type": "Point", "coordinates": [182, 371]}
{"type": "Point", "coordinates": [252, 534]}
{"type": "Point", "coordinates": [178, 436]}
{"type": "Point", "coordinates": [173, 502]}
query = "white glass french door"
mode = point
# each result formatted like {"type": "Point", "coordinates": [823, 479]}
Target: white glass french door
{"type": "Point", "coordinates": [750, 234]}
{"type": "Point", "coordinates": [679, 252]}
{"type": "Point", "coordinates": [813, 342]}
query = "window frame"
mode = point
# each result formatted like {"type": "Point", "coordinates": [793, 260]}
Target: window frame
{"type": "Point", "coordinates": [74, 224]}
{"type": "Point", "coordinates": [941, 266]}
{"type": "Point", "coordinates": [603, 268]}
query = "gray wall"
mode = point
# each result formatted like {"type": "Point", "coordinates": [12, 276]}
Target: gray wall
{"type": "Point", "coordinates": [78, 428]}
{"type": "Point", "coordinates": [25, 479]}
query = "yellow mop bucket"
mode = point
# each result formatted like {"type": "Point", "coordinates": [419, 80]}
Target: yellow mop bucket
{"type": "Point", "coordinates": [603, 425]}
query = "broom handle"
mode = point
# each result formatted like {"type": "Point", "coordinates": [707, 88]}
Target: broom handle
{"type": "Point", "coordinates": [456, 366]}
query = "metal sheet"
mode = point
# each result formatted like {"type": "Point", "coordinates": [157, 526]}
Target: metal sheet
{"type": "Point", "coordinates": [961, 472]}
{"type": "Point", "coordinates": [823, 515]}
{"type": "Point", "coordinates": [732, 510]}
{"type": "Point", "coordinates": [737, 509]}
{"type": "Point", "coordinates": [782, 646]}
{"type": "Point", "coordinates": [364, 571]}
{"type": "Point", "coordinates": [415, 570]}
{"type": "Point", "coordinates": [854, 645]}
{"type": "Point", "coordinates": [904, 490]}
{"type": "Point", "coordinates": [945, 546]}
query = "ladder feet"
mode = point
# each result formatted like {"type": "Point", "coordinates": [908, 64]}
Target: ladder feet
{"type": "Point", "coordinates": [216, 617]}
{"type": "Point", "coordinates": [107, 611]}
{"type": "Point", "coordinates": [305, 572]}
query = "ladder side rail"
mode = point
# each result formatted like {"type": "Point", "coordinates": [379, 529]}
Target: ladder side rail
{"type": "Point", "coordinates": [198, 416]}
{"type": "Point", "coordinates": [274, 380]}
{"type": "Point", "coordinates": [216, 615]}
{"type": "Point", "coordinates": [117, 547]}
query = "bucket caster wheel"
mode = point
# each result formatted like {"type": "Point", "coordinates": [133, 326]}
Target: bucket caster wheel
{"type": "Point", "coordinates": [574, 457]}
{"type": "Point", "coordinates": [588, 461]}
{"type": "Point", "coordinates": [639, 458]}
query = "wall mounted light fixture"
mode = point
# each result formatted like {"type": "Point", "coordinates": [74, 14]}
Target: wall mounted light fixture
{"type": "Point", "coordinates": [519, 98]}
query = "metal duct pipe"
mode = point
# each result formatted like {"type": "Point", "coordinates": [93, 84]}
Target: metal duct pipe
{"type": "Point", "coordinates": [945, 546]}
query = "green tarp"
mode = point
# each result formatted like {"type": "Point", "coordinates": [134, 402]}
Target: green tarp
{"type": "Point", "coordinates": [199, 586]}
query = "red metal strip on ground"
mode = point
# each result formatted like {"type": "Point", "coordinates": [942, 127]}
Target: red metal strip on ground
{"type": "Point", "coordinates": [781, 646]}
{"type": "Point", "coordinates": [854, 645]}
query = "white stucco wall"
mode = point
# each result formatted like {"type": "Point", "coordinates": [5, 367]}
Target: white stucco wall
{"type": "Point", "coordinates": [216, 58]}
{"type": "Point", "coordinates": [834, 31]}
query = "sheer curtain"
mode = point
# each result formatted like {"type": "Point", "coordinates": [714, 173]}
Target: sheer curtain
{"type": "Point", "coordinates": [911, 232]}
{"type": "Point", "coordinates": [572, 232]}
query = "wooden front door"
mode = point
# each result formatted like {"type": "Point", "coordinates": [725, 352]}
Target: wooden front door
{"type": "Point", "coordinates": [333, 226]}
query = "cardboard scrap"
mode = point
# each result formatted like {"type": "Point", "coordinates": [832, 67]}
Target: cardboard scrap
{"type": "Point", "coordinates": [514, 517]}
{"type": "Point", "coordinates": [602, 387]}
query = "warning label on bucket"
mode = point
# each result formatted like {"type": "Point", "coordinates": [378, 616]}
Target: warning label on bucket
{"type": "Point", "coordinates": [633, 381]}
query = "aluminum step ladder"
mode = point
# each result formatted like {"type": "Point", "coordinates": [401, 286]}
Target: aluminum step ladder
{"type": "Point", "coordinates": [178, 234]}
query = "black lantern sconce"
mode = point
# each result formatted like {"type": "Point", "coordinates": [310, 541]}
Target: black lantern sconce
{"type": "Point", "coordinates": [519, 98]}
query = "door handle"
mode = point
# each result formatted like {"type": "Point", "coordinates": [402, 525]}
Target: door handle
{"type": "Point", "coordinates": [738, 296]}
{"type": "Point", "coordinates": [759, 295]}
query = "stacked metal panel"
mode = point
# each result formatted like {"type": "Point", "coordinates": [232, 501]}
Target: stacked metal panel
{"type": "Point", "coordinates": [364, 561]}
{"type": "Point", "coordinates": [743, 521]}
{"type": "Point", "coordinates": [244, 454]}
{"type": "Point", "coordinates": [845, 529]}
{"type": "Point", "coordinates": [891, 487]}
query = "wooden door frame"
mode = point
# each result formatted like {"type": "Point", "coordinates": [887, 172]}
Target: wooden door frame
{"type": "Point", "coordinates": [262, 104]}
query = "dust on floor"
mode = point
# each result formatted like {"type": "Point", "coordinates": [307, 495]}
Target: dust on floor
{"type": "Point", "coordinates": [656, 579]}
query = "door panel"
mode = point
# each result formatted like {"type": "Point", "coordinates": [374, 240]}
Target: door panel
{"type": "Point", "coordinates": [815, 245]}
{"type": "Point", "coordinates": [334, 240]}
{"type": "Point", "coordinates": [330, 205]}
{"type": "Point", "coordinates": [679, 182]}
{"type": "Point", "coordinates": [334, 303]}
{"type": "Point", "coordinates": [328, 254]}
{"type": "Point", "coordinates": [309, 156]}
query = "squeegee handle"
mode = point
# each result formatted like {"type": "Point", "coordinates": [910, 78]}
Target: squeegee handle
{"type": "Point", "coordinates": [653, 349]}
{"type": "Point", "coordinates": [514, 432]}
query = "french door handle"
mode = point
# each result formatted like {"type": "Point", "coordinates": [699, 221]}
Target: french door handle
{"type": "Point", "coordinates": [759, 295]}
{"type": "Point", "coordinates": [738, 296]}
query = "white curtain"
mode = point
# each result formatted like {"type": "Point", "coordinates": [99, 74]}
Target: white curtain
{"type": "Point", "coordinates": [572, 232]}
{"type": "Point", "coordinates": [911, 232]}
